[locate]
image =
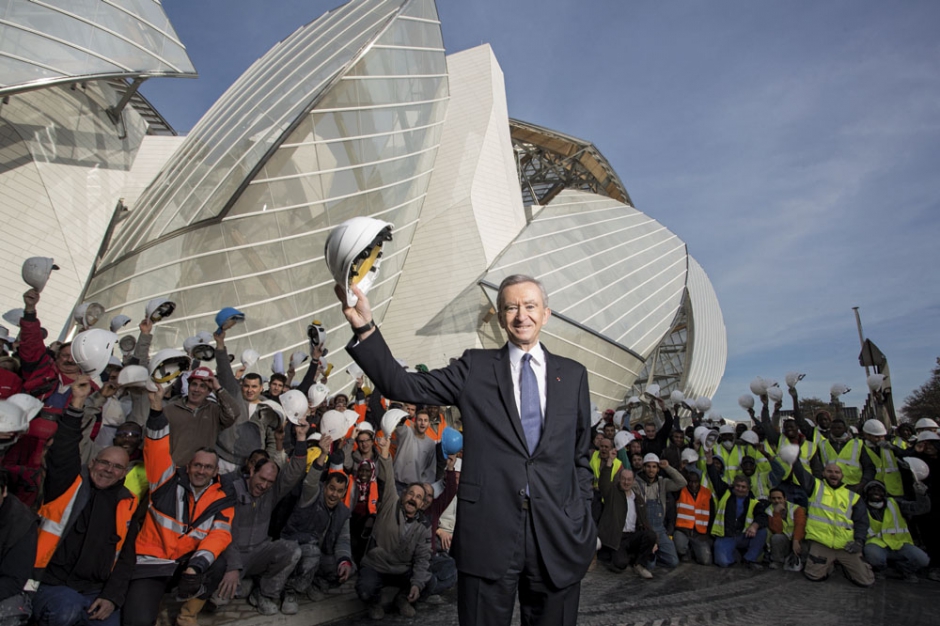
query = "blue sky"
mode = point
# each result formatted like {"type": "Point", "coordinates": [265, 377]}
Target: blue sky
{"type": "Point", "coordinates": [793, 145]}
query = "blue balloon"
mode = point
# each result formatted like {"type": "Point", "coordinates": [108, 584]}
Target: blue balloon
{"type": "Point", "coordinates": [451, 441]}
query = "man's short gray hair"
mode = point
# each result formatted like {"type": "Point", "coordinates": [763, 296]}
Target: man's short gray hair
{"type": "Point", "coordinates": [517, 279]}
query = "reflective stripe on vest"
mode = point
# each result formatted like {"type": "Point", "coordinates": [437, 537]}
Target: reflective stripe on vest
{"type": "Point", "coordinates": [55, 519]}
{"type": "Point", "coordinates": [718, 528]}
{"type": "Point", "coordinates": [891, 532]}
{"type": "Point", "coordinates": [829, 517]}
{"type": "Point", "coordinates": [596, 468]}
{"type": "Point", "coordinates": [886, 470]}
{"type": "Point", "coordinates": [848, 459]}
{"type": "Point", "coordinates": [693, 512]}
{"type": "Point", "coordinates": [731, 460]}
{"type": "Point", "coordinates": [788, 523]}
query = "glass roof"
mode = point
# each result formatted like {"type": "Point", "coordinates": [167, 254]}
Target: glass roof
{"type": "Point", "coordinates": [63, 40]}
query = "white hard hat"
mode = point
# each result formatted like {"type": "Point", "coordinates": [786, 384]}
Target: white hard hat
{"type": "Point", "coordinates": [295, 406]}
{"type": "Point", "coordinates": [205, 336]}
{"type": "Point", "coordinates": [918, 467]}
{"type": "Point", "coordinates": [618, 418]}
{"type": "Point", "coordinates": [758, 386]}
{"type": "Point", "coordinates": [749, 436]}
{"type": "Point", "coordinates": [596, 417]}
{"type": "Point", "coordinates": [317, 394]}
{"type": "Point", "coordinates": [874, 427]}
{"type": "Point", "coordinates": [689, 455]}
{"type": "Point", "coordinates": [775, 394]}
{"type": "Point", "coordinates": [650, 458]}
{"type": "Point", "coordinates": [726, 429]}
{"type": "Point", "coordinates": [353, 253]}
{"type": "Point", "coordinates": [250, 357]}
{"type": "Point", "coordinates": [118, 322]}
{"type": "Point", "coordinates": [676, 397]}
{"type": "Point", "coordinates": [198, 346]}
{"type": "Point", "coordinates": [12, 418]}
{"type": "Point", "coordinates": [714, 417]}
{"type": "Point", "coordinates": [622, 439]}
{"type": "Point", "coordinates": [652, 390]}
{"type": "Point", "coordinates": [707, 438]}
{"type": "Point", "coordinates": [277, 363]}
{"type": "Point", "coordinates": [354, 370]}
{"type": "Point", "coordinates": [876, 381]}
{"type": "Point", "coordinates": [697, 433]}
{"type": "Point", "coordinates": [127, 343]}
{"type": "Point", "coordinates": [333, 423]}
{"type": "Point", "coordinates": [703, 404]}
{"type": "Point", "coordinates": [746, 401]}
{"type": "Point", "coordinates": [87, 314]}
{"type": "Point", "coordinates": [13, 316]}
{"type": "Point", "coordinates": [838, 389]}
{"type": "Point", "coordinates": [159, 308]}
{"type": "Point", "coordinates": [133, 376]}
{"type": "Point", "coordinates": [298, 358]}
{"type": "Point", "coordinates": [391, 419]}
{"type": "Point", "coordinates": [633, 400]}
{"type": "Point", "coordinates": [789, 453]}
{"type": "Point", "coordinates": [924, 423]}
{"type": "Point", "coordinates": [5, 334]}
{"type": "Point", "coordinates": [36, 271]}
{"type": "Point", "coordinates": [927, 435]}
{"type": "Point", "coordinates": [30, 405]}
{"type": "Point", "coordinates": [351, 418]}
{"type": "Point", "coordinates": [853, 430]}
{"type": "Point", "coordinates": [92, 349]}
{"type": "Point", "coordinates": [167, 364]}
{"type": "Point", "coordinates": [793, 378]}
{"type": "Point", "coordinates": [316, 333]}
{"type": "Point", "coordinates": [366, 427]}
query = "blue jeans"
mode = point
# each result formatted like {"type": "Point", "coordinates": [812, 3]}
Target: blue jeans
{"type": "Point", "coordinates": [726, 547]}
{"type": "Point", "coordinates": [666, 555]}
{"type": "Point", "coordinates": [909, 559]}
{"type": "Point", "coordinates": [58, 605]}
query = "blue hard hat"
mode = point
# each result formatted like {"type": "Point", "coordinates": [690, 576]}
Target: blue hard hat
{"type": "Point", "coordinates": [451, 441]}
{"type": "Point", "coordinates": [228, 314]}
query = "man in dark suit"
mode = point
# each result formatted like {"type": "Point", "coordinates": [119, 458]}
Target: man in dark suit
{"type": "Point", "coordinates": [524, 520]}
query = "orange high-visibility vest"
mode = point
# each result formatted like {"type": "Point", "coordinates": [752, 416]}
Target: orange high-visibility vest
{"type": "Point", "coordinates": [372, 500]}
{"type": "Point", "coordinates": [55, 518]}
{"type": "Point", "coordinates": [693, 512]}
{"type": "Point", "coordinates": [436, 434]}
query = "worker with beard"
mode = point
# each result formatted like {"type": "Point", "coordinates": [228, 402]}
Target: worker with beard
{"type": "Point", "coordinates": [841, 448]}
{"type": "Point", "coordinates": [399, 552]}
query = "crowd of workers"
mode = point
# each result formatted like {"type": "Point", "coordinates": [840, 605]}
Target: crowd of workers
{"type": "Point", "coordinates": [127, 481]}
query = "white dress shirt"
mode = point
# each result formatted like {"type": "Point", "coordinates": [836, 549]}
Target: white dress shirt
{"type": "Point", "coordinates": [538, 367]}
{"type": "Point", "coordinates": [629, 524]}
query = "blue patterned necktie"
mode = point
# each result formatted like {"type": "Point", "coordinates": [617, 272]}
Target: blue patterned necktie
{"type": "Point", "coordinates": [529, 404]}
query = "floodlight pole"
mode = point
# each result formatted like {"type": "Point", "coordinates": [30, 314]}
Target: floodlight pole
{"type": "Point", "coordinates": [861, 337]}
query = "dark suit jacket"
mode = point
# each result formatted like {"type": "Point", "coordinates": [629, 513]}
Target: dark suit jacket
{"type": "Point", "coordinates": [496, 461]}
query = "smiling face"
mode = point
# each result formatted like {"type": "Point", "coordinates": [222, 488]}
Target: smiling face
{"type": "Point", "coordinates": [412, 500]}
{"type": "Point", "coordinates": [202, 469]}
{"type": "Point", "coordinates": [523, 313]}
{"type": "Point", "coordinates": [198, 391]}
{"type": "Point", "coordinates": [833, 474]}
{"type": "Point", "coordinates": [741, 487]}
{"type": "Point", "coordinates": [335, 491]}
{"type": "Point", "coordinates": [64, 362]}
{"type": "Point", "coordinates": [263, 479]}
{"type": "Point", "coordinates": [251, 389]}
{"type": "Point", "coordinates": [109, 467]}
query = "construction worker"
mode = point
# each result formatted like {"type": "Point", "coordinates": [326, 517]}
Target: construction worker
{"type": "Point", "coordinates": [836, 525]}
{"type": "Point", "coordinates": [889, 540]}
{"type": "Point", "coordinates": [883, 457]}
{"type": "Point", "coordinates": [695, 511]}
{"type": "Point", "coordinates": [786, 528]}
{"type": "Point", "coordinates": [840, 447]}
{"type": "Point", "coordinates": [85, 552]}
{"type": "Point", "coordinates": [740, 525]}
{"type": "Point", "coordinates": [187, 528]}
{"type": "Point", "coordinates": [729, 451]}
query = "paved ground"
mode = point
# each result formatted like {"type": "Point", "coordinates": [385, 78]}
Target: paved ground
{"type": "Point", "coordinates": [690, 594]}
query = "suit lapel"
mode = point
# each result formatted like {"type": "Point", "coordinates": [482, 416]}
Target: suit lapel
{"type": "Point", "coordinates": [552, 378]}
{"type": "Point", "coordinates": [503, 371]}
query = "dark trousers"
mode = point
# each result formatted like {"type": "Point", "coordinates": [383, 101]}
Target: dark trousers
{"type": "Point", "coordinates": [635, 547]}
{"type": "Point", "coordinates": [143, 597]}
{"type": "Point", "coordinates": [370, 582]}
{"type": "Point", "coordinates": [485, 602]}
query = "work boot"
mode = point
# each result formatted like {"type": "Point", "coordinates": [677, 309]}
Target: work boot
{"type": "Point", "coordinates": [376, 612]}
{"type": "Point", "coordinates": [189, 611]}
{"type": "Point", "coordinates": [405, 608]}
{"type": "Point", "coordinates": [642, 572]}
{"type": "Point", "coordinates": [265, 605]}
{"type": "Point", "coordinates": [289, 605]}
